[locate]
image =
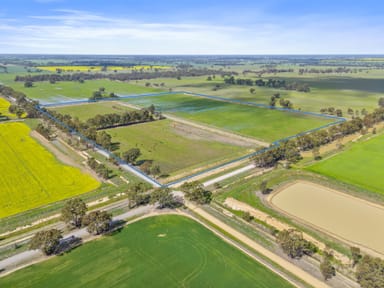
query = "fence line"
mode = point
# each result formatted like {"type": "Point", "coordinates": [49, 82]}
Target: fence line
{"type": "Point", "coordinates": [128, 167]}
{"type": "Point", "coordinates": [101, 150]}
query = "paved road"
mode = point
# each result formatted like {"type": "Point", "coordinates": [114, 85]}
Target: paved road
{"type": "Point", "coordinates": [27, 257]}
{"type": "Point", "coordinates": [229, 175]}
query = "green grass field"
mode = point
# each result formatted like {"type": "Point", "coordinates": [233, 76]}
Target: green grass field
{"type": "Point", "coordinates": [361, 165]}
{"type": "Point", "coordinates": [66, 91]}
{"type": "Point", "coordinates": [31, 176]}
{"type": "Point", "coordinates": [162, 251]}
{"type": "Point", "coordinates": [264, 124]}
{"type": "Point", "coordinates": [341, 92]}
{"type": "Point", "coordinates": [87, 111]}
{"type": "Point", "coordinates": [160, 141]}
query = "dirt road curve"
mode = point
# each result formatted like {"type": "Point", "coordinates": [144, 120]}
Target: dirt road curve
{"type": "Point", "coordinates": [260, 249]}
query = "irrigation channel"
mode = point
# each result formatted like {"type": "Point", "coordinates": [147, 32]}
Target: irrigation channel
{"type": "Point", "coordinates": [130, 168]}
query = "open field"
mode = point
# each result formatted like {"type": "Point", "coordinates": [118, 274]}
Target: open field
{"type": "Point", "coordinates": [162, 142]}
{"type": "Point", "coordinates": [356, 91]}
{"type": "Point", "coordinates": [69, 90]}
{"type": "Point", "coordinates": [361, 165]}
{"type": "Point", "coordinates": [162, 251]}
{"type": "Point", "coordinates": [100, 68]}
{"type": "Point", "coordinates": [263, 124]}
{"type": "Point", "coordinates": [87, 111]}
{"type": "Point", "coordinates": [31, 176]}
{"type": "Point", "coordinates": [346, 217]}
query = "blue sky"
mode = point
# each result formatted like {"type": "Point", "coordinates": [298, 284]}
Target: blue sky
{"type": "Point", "coordinates": [191, 27]}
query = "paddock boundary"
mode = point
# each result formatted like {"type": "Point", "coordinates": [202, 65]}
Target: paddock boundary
{"type": "Point", "coordinates": [130, 168]}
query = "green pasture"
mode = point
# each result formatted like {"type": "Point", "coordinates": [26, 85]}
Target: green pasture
{"type": "Point", "coordinates": [87, 111]}
{"type": "Point", "coordinates": [161, 142]}
{"type": "Point", "coordinates": [340, 92]}
{"type": "Point", "coordinates": [361, 165]}
{"type": "Point", "coordinates": [72, 90]}
{"type": "Point", "coordinates": [162, 251]}
{"type": "Point", "coordinates": [264, 124]}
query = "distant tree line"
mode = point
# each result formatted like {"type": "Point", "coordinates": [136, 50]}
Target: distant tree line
{"type": "Point", "coordinates": [270, 83]}
{"type": "Point", "coordinates": [268, 71]}
{"type": "Point", "coordinates": [337, 70]}
{"type": "Point", "coordinates": [133, 75]}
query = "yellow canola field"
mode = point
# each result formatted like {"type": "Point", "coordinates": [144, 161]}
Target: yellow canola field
{"type": "Point", "coordinates": [31, 176]}
{"type": "Point", "coordinates": [4, 105]}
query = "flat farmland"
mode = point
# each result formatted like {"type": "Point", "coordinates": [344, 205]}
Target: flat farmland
{"type": "Point", "coordinates": [346, 217]}
{"type": "Point", "coordinates": [72, 90]}
{"type": "Point", "coordinates": [87, 111]}
{"type": "Point", "coordinates": [326, 91]}
{"type": "Point", "coordinates": [361, 165]}
{"type": "Point", "coordinates": [260, 123]}
{"type": "Point", "coordinates": [161, 251]}
{"type": "Point", "coordinates": [170, 148]}
{"type": "Point", "coordinates": [31, 176]}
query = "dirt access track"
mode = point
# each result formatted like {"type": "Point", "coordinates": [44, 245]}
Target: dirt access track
{"type": "Point", "coordinates": [311, 280]}
{"type": "Point", "coordinates": [350, 219]}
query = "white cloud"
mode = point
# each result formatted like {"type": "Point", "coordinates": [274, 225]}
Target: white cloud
{"type": "Point", "coordinates": [81, 32]}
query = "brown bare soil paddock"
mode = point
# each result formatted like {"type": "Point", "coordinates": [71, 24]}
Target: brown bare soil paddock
{"type": "Point", "coordinates": [353, 220]}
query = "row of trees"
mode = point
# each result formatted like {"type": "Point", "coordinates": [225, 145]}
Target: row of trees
{"type": "Point", "coordinates": [139, 194]}
{"type": "Point", "coordinates": [285, 151]}
{"type": "Point", "coordinates": [133, 75]}
{"type": "Point", "coordinates": [295, 246]}
{"type": "Point", "coordinates": [74, 214]}
{"type": "Point", "coordinates": [339, 112]}
{"type": "Point", "coordinates": [196, 192]}
{"type": "Point", "coordinates": [290, 150]}
{"type": "Point", "coordinates": [44, 131]}
{"type": "Point", "coordinates": [269, 71]}
{"type": "Point", "coordinates": [129, 117]}
{"type": "Point", "coordinates": [337, 70]}
{"type": "Point", "coordinates": [283, 102]}
{"type": "Point", "coordinates": [100, 94]}
{"type": "Point", "coordinates": [99, 168]}
{"type": "Point", "coordinates": [332, 111]}
{"type": "Point", "coordinates": [270, 83]}
{"type": "Point", "coordinates": [89, 128]}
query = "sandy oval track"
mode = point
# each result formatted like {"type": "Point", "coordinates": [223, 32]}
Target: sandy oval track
{"type": "Point", "coordinates": [343, 216]}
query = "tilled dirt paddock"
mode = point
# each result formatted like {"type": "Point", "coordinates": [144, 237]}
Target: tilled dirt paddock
{"type": "Point", "coordinates": [356, 221]}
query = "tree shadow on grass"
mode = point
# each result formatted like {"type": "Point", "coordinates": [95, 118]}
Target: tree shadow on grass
{"type": "Point", "coordinates": [115, 146]}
